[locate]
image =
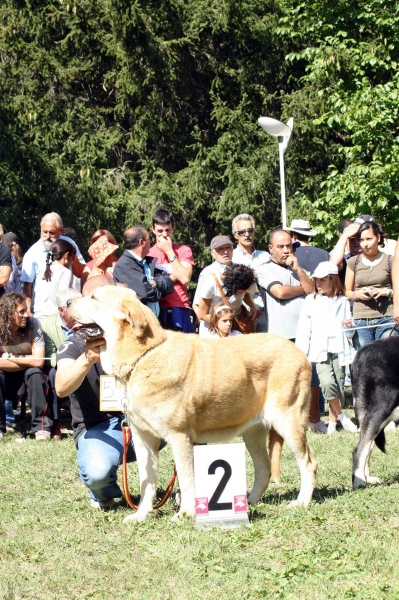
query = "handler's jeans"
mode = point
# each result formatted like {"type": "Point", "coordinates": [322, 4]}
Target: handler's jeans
{"type": "Point", "coordinates": [364, 336]}
{"type": "Point", "coordinates": [37, 387]}
{"type": "Point", "coordinates": [100, 452]}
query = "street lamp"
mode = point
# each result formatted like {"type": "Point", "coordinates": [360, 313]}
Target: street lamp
{"type": "Point", "coordinates": [282, 132]}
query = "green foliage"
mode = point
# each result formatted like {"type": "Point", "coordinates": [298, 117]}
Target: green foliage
{"type": "Point", "coordinates": [350, 54]}
{"type": "Point", "coordinates": [117, 108]}
{"type": "Point", "coordinates": [110, 109]}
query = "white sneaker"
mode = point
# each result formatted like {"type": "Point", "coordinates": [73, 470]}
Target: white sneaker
{"type": "Point", "coordinates": [347, 423]}
{"type": "Point", "coordinates": [317, 427]}
{"type": "Point", "coordinates": [332, 428]}
{"type": "Point", "coordinates": [102, 504]}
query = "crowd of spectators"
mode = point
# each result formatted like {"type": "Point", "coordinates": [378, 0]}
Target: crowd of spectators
{"type": "Point", "coordinates": [329, 304]}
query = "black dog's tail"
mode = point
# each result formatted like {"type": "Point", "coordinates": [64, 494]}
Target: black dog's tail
{"type": "Point", "coordinates": [380, 441]}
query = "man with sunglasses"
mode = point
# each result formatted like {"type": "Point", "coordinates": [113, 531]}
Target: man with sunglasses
{"type": "Point", "coordinates": [245, 253]}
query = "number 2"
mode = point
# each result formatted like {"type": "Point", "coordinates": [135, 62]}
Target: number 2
{"type": "Point", "coordinates": [213, 502]}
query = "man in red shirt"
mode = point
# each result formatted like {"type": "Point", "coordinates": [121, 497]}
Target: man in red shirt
{"type": "Point", "coordinates": [177, 261]}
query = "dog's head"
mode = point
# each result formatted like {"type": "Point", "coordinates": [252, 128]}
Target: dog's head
{"type": "Point", "coordinates": [129, 328]}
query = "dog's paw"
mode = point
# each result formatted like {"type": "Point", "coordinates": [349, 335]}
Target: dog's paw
{"type": "Point", "coordinates": [373, 480]}
{"type": "Point", "coordinates": [135, 518]}
{"type": "Point", "coordinates": [181, 514]}
{"type": "Point", "coordinates": [253, 498]}
{"type": "Point", "coordinates": [296, 503]}
{"type": "Point", "coordinates": [358, 483]}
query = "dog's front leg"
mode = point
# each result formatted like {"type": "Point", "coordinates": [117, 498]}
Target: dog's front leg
{"type": "Point", "coordinates": [183, 454]}
{"type": "Point", "coordinates": [146, 448]}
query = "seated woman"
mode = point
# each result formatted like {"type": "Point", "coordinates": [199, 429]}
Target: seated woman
{"type": "Point", "coordinates": [98, 269]}
{"type": "Point", "coordinates": [233, 287]}
{"type": "Point", "coordinates": [22, 352]}
{"type": "Point", "coordinates": [57, 277]}
{"type": "Point", "coordinates": [221, 322]}
{"type": "Point", "coordinates": [368, 284]}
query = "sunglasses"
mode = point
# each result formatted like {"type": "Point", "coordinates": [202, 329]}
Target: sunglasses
{"type": "Point", "coordinates": [244, 231]}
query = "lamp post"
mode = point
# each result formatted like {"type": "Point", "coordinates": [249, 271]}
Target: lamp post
{"type": "Point", "coordinates": [282, 132]}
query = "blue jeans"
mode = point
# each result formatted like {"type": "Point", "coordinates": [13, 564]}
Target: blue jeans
{"type": "Point", "coordinates": [370, 334]}
{"type": "Point", "coordinates": [100, 452]}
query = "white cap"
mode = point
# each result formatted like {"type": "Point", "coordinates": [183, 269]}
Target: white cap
{"type": "Point", "coordinates": [325, 268]}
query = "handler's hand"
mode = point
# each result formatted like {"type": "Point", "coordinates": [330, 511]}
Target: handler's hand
{"type": "Point", "coordinates": [92, 350]}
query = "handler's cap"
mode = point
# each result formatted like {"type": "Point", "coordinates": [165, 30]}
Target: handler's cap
{"type": "Point", "coordinates": [221, 240]}
{"type": "Point", "coordinates": [101, 249]}
{"type": "Point", "coordinates": [325, 268]}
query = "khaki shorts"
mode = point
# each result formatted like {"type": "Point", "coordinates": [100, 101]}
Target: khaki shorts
{"type": "Point", "coordinates": [332, 378]}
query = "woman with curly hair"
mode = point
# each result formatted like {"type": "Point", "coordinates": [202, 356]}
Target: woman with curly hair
{"type": "Point", "coordinates": [368, 284]}
{"type": "Point", "coordinates": [233, 287]}
{"type": "Point", "coordinates": [22, 351]}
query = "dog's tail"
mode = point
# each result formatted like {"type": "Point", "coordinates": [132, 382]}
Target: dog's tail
{"type": "Point", "coordinates": [380, 441]}
{"type": "Point", "coordinates": [275, 449]}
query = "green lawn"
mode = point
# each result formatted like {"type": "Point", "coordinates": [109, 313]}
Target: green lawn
{"type": "Point", "coordinates": [345, 545]}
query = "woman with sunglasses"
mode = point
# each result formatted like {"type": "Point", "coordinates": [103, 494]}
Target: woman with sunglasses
{"type": "Point", "coordinates": [368, 283]}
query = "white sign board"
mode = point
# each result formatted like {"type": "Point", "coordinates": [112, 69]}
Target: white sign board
{"type": "Point", "coordinates": [111, 394]}
{"type": "Point", "coordinates": [220, 485]}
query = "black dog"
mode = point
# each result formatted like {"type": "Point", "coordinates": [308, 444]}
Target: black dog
{"type": "Point", "coordinates": [375, 387]}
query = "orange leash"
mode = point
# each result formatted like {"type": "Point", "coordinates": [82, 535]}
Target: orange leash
{"type": "Point", "coordinates": [125, 487]}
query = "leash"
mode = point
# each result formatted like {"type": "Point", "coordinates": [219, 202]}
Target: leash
{"type": "Point", "coordinates": [127, 438]}
{"type": "Point", "coordinates": [125, 487]}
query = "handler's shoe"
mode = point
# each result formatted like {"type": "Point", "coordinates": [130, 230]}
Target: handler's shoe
{"type": "Point", "coordinates": [347, 423]}
{"type": "Point", "coordinates": [102, 504]}
{"type": "Point", "coordinates": [317, 427]}
{"type": "Point", "coordinates": [42, 435]}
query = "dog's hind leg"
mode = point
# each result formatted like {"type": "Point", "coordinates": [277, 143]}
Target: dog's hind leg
{"type": "Point", "coordinates": [255, 441]}
{"type": "Point", "coordinates": [146, 447]}
{"type": "Point", "coordinates": [294, 433]}
{"type": "Point", "coordinates": [182, 448]}
{"type": "Point", "coordinates": [275, 449]}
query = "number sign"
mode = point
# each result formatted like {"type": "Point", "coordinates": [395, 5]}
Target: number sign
{"type": "Point", "coordinates": [220, 485]}
{"type": "Point", "coordinates": [111, 394]}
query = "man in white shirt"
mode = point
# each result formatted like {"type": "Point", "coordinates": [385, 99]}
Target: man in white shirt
{"type": "Point", "coordinates": [287, 284]}
{"type": "Point", "coordinates": [34, 261]}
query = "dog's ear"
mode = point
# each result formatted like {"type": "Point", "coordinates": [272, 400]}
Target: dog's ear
{"type": "Point", "coordinates": [135, 316]}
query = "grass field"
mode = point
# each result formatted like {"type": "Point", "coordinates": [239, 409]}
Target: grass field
{"type": "Point", "coordinates": [345, 545]}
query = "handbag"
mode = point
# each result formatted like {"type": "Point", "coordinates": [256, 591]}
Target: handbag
{"type": "Point", "coordinates": [243, 321]}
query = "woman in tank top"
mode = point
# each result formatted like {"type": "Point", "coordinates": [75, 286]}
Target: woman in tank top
{"type": "Point", "coordinates": [368, 284]}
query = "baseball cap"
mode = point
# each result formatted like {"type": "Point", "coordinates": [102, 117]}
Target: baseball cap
{"type": "Point", "coordinates": [325, 268]}
{"type": "Point", "coordinates": [220, 240]}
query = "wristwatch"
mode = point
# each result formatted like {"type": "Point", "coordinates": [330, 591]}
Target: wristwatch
{"type": "Point", "coordinates": [172, 258]}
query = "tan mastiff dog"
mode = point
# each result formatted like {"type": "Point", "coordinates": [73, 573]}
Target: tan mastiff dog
{"type": "Point", "coordinates": [187, 390]}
